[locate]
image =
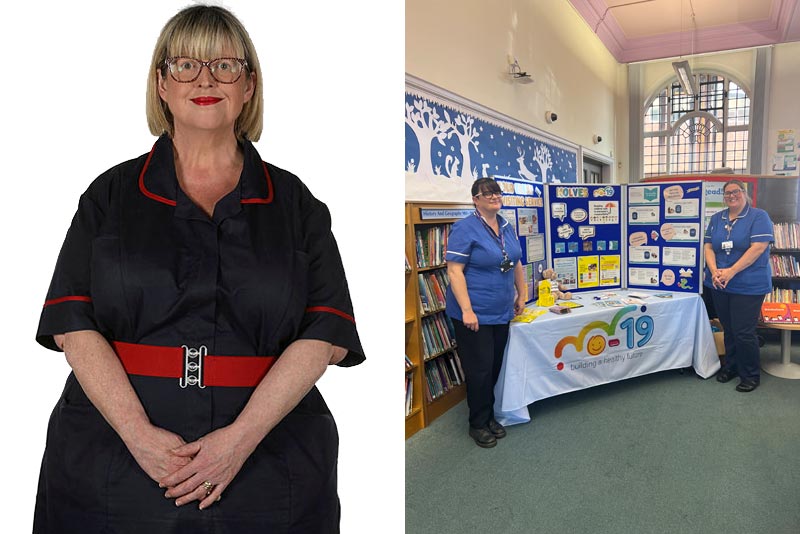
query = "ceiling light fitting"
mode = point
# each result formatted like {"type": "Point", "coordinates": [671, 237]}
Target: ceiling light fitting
{"type": "Point", "coordinates": [685, 77]}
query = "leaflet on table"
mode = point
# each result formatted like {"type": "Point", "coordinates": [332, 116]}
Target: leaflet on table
{"type": "Point", "coordinates": [529, 315]}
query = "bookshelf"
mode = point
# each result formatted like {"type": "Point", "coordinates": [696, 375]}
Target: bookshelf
{"type": "Point", "coordinates": [785, 262]}
{"type": "Point", "coordinates": [436, 379]}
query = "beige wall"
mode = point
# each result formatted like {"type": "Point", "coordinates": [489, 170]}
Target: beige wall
{"type": "Point", "coordinates": [463, 46]}
{"type": "Point", "coordinates": [784, 103]}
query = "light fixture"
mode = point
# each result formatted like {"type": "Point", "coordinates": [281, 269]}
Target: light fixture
{"type": "Point", "coordinates": [684, 73]}
{"type": "Point", "coordinates": [517, 74]}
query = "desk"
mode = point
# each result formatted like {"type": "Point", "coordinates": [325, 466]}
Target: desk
{"type": "Point", "coordinates": [785, 368]}
{"type": "Point", "coordinates": [594, 345]}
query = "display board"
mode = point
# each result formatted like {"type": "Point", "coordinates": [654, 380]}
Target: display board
{"type": "Point", "coordinates": [585, 230]}
{"type": "Point", "coordinates": [665, 236]}
{"type": "Point", "coordinates": [523, 207]}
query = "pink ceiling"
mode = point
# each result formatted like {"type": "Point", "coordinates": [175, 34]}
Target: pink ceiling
{"type": "Point", "coordinates": [640, 30]}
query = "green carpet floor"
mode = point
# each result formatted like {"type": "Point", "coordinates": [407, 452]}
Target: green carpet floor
{"type": "Point", "coordinates": [662, 453]}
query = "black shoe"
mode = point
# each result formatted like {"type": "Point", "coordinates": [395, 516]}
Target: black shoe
{"type": "Point", "coordinates": [726, 375]}
{"type": "Point", "coordinates": [483, 437]}
{"type": "Point", "coordinates": [497, 429]}
{"type": "Point", "coordinates": [746, 386]}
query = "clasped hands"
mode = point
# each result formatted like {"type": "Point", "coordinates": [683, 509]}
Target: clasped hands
{"type": "Point", "coordinates": [721, 277]}
{"type": "Point", "coordinates": [183, 468]}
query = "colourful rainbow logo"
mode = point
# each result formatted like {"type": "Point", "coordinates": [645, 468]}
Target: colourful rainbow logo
{"type": "Point", "coordinates": [577, 341]}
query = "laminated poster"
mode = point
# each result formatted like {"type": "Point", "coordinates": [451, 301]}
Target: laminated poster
{"type": "Point", "coordinates": [535, 246]}
{"type": "Point", "coordinates": [566, 271]}
{"type": "Point", "coordinates": [680, 256]}
{"type": "Point", "coordinates": [643, 254]}
{"type": "Point", "coordinates": [642, 276]}
{"type": "Point", "coordinates": [588, 275]}
{"type": "Point", "coordinates": [677, 232]}
{"type": "Point", "coordinates": [604, 212]}
{"type": "Point", "coordinates": [644, 195]}
{"type": "Point", "coordinates": [688, 208]}
{"type": "Point", "coordinates": [528, 221]}
{"type": "Point", "coordinates": [511, 216]}
{"type": "Point", "coordinates": [609, 270]}
{"type": "Point", "coordinates": [644, 215]}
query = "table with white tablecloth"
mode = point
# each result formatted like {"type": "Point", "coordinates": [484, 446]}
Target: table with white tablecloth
{"type": "Point", "coordinates": [598, 343]}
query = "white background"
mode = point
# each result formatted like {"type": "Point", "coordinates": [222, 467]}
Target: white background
{"type": "Point", "coordinates": [72, 95]}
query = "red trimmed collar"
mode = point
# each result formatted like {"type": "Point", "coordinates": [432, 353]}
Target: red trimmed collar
{"type": "Point", "coordinates": [159, 182]}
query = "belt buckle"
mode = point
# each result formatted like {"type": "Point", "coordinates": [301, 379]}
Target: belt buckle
{"type": "Point", "coordinates": [193, 366]}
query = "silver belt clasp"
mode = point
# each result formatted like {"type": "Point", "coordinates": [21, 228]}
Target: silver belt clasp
{"type": "Point", "coordinates": [193, 366]}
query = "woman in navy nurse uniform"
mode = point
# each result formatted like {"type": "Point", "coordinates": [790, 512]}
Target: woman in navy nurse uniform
{"type": "Point", "coordinates": [738, 275]}
{"type": "Point", "coordinates": [483, 264]}
{"type": "Point", "coordinates": [198, 297]}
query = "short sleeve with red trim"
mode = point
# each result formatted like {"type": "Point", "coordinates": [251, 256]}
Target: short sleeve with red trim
{"type": "Point", "coordinates": [329, 311]}
{"type": "Point", "coordinates": [68, 305]}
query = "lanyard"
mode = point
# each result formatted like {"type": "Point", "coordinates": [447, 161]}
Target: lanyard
{"type": "Point", "coordinates": [730, 225]}
{"type": "Point", "coordinates": [500, 240]}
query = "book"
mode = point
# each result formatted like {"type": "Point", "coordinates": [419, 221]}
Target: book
{"type": "Point", "coordinates": [776, 312]}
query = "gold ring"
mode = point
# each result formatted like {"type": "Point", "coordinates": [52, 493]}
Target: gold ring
{"type": "Point", "coordinates": [209, 487]}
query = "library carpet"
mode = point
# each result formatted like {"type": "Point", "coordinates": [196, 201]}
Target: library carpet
{"type": "Point", "coordinates": [662, 453]}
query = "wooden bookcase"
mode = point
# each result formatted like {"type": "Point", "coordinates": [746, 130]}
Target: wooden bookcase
{"type": "Point", "coordinates": [784, 258]}
{"type": "Point", "coordinates": [424, 412]}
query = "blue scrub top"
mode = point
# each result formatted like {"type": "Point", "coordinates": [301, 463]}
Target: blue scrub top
{"type": "Point", "coordinates": [491, 292]}
{"type": "Point", "coordinates": [753, 225]}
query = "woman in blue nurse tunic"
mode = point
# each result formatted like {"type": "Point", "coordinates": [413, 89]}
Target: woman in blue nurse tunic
{"type": "Point", "coordinates": [483, 264]}
{"type": "Point", "coordinates": [738, 275]}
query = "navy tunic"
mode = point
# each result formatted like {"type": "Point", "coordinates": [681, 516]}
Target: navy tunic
{"type": "Point", "coordinates": [143, 264]}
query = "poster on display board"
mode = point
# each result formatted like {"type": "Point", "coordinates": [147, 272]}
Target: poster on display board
{"type": "Point", "coordinates": [665, 226]}
{"type": "Point", "coordinates": [585, 231]}
{"type": "Point", "coordinates": [523, 207]}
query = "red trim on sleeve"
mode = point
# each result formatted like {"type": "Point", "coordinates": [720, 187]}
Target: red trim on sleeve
{"type": "Point", "coordinates": [65, 299]}
{"type": "Point", "coordinates": [269, 196]}
{"type": "Point", "coordinates": [326, 309]}
{"type": "Point", "coordinates": [144, 190]}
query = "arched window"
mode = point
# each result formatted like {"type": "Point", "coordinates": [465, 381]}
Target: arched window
{"type": "Point", "coordinates": [696, 134]}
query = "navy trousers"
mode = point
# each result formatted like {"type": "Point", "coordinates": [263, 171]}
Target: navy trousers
{"type": "Point", "coordinates": [739, 317]}
{"type": "Point", "coordinates": [481, 355]}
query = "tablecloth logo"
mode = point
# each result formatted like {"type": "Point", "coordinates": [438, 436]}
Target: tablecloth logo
{"type": "Point", "coordinates": [632, 332]}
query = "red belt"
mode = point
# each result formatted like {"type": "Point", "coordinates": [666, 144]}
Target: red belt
{"type": "Point", "coordinates": [192, 366]}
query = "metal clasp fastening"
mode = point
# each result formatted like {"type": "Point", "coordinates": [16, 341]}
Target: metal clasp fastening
{"type": "Point", "coordinates": [193, 366]}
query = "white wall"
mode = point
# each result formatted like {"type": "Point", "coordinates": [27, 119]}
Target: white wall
{"type": "Point", "coordinates": [463, 46]}
{"type": "Point", "coordinates": [73, 106]}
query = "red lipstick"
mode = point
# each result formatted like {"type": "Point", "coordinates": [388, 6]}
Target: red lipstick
{"type": "Point", "coordinates": [205, 100]}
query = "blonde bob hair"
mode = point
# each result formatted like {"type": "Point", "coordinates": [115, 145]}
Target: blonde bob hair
{"type": "Point", "coordinates": [203, 32]}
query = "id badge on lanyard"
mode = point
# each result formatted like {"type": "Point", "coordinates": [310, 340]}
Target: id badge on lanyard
{"type": "Point", "coordinates": [727, 245]}
{"type": "Point", "coordinates": [505, 265]}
